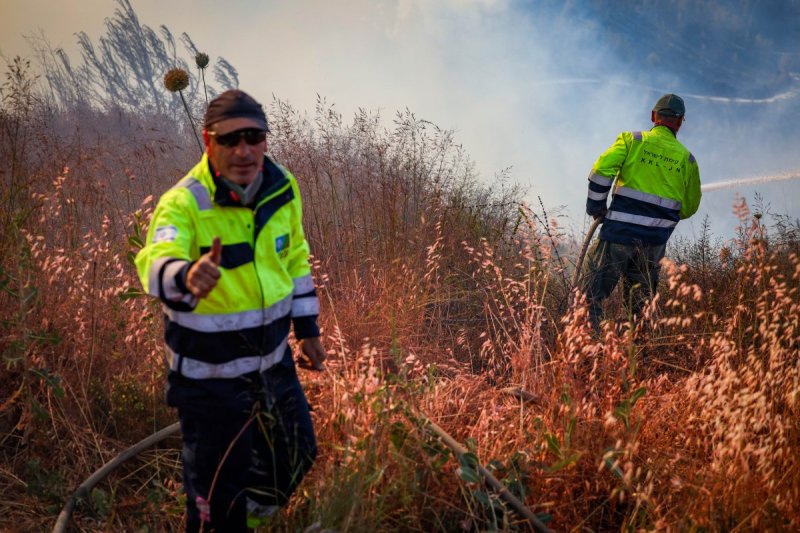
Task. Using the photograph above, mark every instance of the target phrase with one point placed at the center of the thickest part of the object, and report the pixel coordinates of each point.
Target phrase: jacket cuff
(173, 291)
(594, 207)
(305, 327)
(180, 277)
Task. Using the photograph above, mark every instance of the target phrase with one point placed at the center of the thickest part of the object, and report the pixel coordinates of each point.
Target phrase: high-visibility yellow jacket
(265, 283)
(657, 184)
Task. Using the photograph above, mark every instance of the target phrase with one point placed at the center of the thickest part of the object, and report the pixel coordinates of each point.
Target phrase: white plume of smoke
(728, 184)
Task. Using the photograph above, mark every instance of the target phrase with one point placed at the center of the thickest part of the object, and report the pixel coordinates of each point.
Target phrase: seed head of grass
(201, 60)
(176, 80)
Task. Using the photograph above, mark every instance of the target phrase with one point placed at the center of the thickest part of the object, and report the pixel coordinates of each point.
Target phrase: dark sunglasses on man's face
(251, 136)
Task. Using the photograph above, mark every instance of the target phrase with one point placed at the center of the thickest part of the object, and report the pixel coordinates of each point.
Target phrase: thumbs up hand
(204, 274)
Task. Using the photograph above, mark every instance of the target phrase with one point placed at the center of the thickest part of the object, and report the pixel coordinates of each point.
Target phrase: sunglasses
(251, 136)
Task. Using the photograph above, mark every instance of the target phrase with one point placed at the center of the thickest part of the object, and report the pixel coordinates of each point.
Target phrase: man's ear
(652, 119)
(206, 138)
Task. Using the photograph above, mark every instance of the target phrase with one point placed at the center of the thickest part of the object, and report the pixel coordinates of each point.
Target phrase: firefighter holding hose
(656, 183)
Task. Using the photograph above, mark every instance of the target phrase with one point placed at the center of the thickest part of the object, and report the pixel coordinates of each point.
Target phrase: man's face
(240, 163)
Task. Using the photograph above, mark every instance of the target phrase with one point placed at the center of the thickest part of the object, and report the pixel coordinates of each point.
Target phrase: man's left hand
(314, 354)
(601, 215)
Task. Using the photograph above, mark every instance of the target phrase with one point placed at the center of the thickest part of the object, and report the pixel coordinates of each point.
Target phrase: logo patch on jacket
(282, 245)
(165, 234)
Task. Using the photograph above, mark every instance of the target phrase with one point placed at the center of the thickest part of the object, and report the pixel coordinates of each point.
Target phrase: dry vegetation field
(439, 292)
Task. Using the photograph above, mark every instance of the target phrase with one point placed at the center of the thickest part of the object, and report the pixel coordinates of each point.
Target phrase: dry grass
(437, 294)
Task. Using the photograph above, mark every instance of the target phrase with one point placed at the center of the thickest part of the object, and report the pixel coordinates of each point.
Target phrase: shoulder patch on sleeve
(165, 234)
(691, 158)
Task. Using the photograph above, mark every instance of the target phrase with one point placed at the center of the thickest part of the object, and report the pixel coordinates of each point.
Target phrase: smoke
(541, 87)
(544, 88)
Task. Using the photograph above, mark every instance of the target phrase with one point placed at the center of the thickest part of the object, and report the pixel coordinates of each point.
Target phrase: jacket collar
(662, 130)
(273, 178)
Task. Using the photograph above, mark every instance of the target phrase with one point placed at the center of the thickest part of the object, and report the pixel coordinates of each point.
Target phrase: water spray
(728, 184)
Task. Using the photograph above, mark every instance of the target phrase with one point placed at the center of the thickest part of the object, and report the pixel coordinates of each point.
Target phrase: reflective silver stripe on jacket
(637, 135)
(597, 195)
(669, 203)
(152, 278)
(641, 220)
(303, 284)
(195, 369)
(231, 321)
(199, 192)
(308, 306)
(171, 291)
(600, 180)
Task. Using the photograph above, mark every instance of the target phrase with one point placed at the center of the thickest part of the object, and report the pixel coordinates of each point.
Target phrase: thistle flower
(176, 79)
(201, 60)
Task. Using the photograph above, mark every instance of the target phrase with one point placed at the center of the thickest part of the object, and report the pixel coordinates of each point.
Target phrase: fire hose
(588, 239)
(517, 505)
(86, 487)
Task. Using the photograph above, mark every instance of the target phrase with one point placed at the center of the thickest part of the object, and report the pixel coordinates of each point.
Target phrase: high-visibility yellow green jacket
(657, 184)
(265, 284)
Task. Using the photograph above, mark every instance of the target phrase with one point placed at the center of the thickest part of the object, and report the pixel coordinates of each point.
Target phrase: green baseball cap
(670, 105)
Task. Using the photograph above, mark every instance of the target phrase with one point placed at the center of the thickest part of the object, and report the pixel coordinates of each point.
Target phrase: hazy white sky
(544, 97)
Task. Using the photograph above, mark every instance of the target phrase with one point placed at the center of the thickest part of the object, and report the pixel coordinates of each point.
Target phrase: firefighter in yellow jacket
(654, 182)
(227, 257)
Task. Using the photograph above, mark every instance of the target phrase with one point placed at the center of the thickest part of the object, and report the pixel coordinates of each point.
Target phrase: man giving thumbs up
(203, 275)
(227, 256)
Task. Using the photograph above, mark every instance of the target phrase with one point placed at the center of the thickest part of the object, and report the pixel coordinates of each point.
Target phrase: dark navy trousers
(247, 443)
(607, 263)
